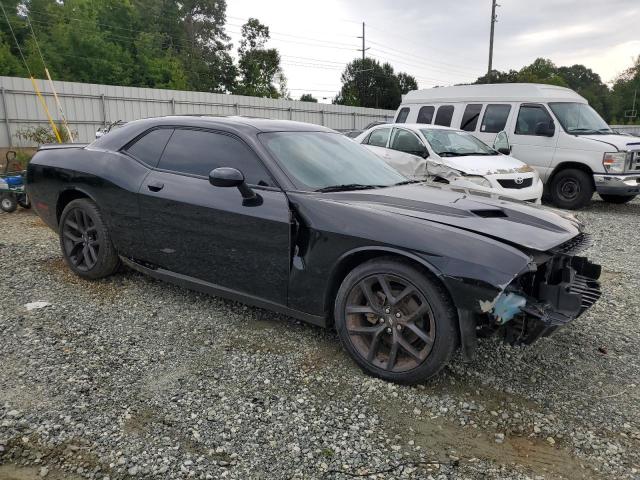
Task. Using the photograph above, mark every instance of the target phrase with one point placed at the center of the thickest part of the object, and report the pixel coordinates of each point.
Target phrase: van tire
(571, 189)
(619, 199)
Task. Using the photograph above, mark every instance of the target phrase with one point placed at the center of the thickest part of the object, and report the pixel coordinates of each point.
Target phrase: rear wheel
(617, 198)
(571, 189)
(397, 324)
(8, 203)
(85, 241)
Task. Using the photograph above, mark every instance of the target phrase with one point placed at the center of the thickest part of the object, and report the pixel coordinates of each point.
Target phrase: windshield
(451, 143)
(579, 118)
(317, 160)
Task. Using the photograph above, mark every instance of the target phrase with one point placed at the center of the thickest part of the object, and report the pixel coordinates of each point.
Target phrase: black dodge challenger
(298, 219)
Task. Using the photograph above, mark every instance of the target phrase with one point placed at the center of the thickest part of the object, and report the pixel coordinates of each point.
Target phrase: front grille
(577, 244)
(512, 183)
(587, 288)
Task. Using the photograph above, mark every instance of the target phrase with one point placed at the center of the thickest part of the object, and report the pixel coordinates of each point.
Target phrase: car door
(405, 154)
(533, 136)
(377, 141)
(198, 230)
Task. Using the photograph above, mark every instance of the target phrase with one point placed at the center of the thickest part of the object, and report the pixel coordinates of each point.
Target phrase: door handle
(155, 186)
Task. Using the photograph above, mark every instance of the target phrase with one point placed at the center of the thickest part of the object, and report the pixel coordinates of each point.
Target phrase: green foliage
(625, 88)
(307, 97)
(259, 67)
(41, 135)
(367, 83)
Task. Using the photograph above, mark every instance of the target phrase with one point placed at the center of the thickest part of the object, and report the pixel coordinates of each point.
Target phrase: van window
(402, 115)
(470, 117)
(495, 118)
(529, 116)
(444, 115)
(379, 137)
(425, 115)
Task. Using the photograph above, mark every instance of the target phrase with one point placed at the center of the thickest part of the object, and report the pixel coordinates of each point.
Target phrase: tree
(625, 88)
(259, 67)
(367, 83)
(407, 83)
(307, 97)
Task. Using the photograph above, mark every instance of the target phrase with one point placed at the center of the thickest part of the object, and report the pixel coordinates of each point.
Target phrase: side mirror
(232, 177)
(545, 129)
(501, 143)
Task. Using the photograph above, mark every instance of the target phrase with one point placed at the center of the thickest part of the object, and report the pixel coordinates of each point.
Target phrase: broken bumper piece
(540, 302)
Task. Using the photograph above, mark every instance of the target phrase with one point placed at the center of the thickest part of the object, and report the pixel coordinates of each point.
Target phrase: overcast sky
(440, 42)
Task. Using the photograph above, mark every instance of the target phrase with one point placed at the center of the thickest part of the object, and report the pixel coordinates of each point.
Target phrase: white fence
(88, 106)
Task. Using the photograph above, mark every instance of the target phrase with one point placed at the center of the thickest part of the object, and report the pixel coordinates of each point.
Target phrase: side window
(425, 115)
(402, 115)
(529, 117)
(149, 147)
(444, 115)
(495, 118)
(470, 117)
(379, 137)
(407, 142)
(197, 152)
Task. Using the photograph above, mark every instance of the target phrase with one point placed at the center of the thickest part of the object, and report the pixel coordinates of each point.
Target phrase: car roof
(414, 126)
(235, 124)
(495, 92)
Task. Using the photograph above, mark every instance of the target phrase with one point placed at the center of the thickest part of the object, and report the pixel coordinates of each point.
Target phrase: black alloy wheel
(396, 321)
(85, 241)
(80, 239)
(390, 323)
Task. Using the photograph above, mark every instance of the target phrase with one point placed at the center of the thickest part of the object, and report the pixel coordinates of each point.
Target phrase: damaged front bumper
(558, 288)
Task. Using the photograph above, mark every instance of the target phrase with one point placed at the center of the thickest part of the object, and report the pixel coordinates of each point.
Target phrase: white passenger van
(551, 128)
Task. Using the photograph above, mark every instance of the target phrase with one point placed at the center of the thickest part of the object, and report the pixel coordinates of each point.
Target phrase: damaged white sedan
(446, 155)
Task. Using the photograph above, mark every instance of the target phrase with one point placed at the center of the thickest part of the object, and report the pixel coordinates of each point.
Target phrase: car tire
(571, 189)
(85, 241)
(619, 199)
(419, 325)
(8, 203)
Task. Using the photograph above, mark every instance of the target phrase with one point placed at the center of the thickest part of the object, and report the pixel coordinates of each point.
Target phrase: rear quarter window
(402, 115)
(150, 146)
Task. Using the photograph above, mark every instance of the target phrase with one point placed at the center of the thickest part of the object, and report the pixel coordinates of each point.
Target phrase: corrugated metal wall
(630, 129)
(89, 106)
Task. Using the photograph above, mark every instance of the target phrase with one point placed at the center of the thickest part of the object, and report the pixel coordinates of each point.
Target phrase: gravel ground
(130, 377)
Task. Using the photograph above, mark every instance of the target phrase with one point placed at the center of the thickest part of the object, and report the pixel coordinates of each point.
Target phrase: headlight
(614, 162)
(478, 180)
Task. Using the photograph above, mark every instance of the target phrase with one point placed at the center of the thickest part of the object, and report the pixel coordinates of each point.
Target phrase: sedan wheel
(85, 241)
(395, 321)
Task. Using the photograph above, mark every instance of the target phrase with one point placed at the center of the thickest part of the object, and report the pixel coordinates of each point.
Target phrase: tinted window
(495, 118)
(402, 115)
(425, 115)
(148, 148)
(470, 117)
(378, 138)
(198, 152)
(529, 116)
(444, 115)
(407, 142)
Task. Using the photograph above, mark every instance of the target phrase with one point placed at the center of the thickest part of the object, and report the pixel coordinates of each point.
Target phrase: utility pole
(362, 69)
(493, 22)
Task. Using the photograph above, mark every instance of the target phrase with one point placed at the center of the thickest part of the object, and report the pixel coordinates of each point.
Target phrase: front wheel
(571, 189)
(619, 199)
(8, 203)
(396, 323)
(85, 241)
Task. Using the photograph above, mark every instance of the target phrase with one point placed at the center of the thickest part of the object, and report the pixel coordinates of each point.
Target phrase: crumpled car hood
(518, 223)
(487, 165)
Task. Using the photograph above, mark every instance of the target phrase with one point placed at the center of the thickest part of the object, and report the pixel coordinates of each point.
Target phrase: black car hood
(518, 223)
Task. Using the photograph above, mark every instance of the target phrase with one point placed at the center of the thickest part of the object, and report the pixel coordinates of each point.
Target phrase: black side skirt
(218, 291)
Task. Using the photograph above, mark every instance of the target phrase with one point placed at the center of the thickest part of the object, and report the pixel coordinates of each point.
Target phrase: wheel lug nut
(386, 310)
(388, 330)
(398, 314)
(399, 327)
(381, 320)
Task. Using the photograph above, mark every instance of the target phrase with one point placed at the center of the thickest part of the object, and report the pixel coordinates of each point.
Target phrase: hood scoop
(490, 213)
